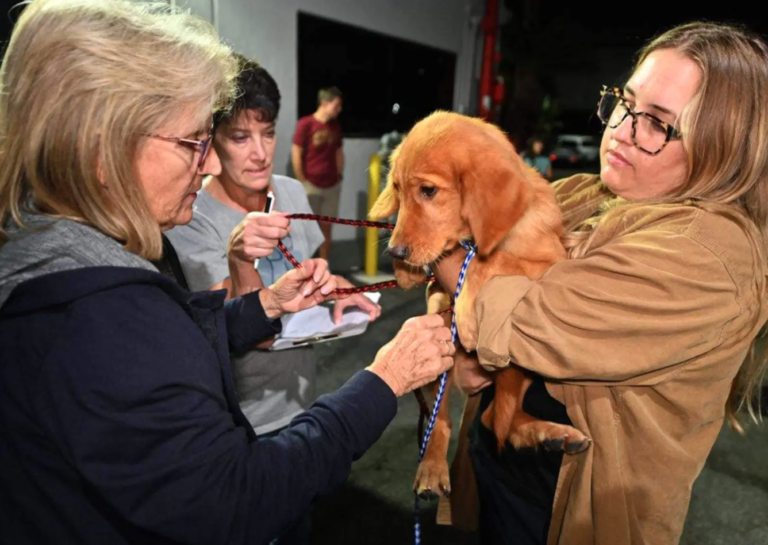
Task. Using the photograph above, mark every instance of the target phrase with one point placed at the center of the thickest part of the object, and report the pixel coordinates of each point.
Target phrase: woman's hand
(299, 289)
(418, 354)
(469, 375)
(257, 235)
(355, 300)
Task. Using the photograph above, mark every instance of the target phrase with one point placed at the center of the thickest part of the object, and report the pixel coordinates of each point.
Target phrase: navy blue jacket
(119, 423)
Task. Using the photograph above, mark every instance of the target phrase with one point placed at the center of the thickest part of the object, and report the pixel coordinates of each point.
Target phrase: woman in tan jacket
(643, 338)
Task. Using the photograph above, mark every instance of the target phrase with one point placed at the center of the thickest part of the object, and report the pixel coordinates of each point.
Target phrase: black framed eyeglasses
(649, 133)
(201, 146)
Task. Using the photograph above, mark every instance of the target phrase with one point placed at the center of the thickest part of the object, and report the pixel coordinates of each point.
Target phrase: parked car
(564, 157)
(576, 149)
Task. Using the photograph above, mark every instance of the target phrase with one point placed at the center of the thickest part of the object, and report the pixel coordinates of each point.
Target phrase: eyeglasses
(202, 146)
(649, 133)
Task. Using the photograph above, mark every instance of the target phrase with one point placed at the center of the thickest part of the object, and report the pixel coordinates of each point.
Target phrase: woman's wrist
(269, 304)
(245, 279)
(381, 371)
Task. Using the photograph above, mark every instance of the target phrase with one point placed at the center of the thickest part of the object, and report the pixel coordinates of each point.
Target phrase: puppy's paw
(567, 444)
(550, 436)
(432, 479)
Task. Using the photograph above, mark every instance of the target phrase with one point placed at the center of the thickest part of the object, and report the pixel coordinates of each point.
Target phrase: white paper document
(316, 325)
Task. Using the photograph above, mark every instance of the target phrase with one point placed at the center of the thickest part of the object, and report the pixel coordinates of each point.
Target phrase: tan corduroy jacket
(640, 339)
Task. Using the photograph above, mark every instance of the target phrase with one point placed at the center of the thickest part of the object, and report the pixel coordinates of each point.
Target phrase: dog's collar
(468, 245)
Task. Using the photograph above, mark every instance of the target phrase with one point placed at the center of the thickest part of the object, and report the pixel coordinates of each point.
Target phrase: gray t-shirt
(272, 387)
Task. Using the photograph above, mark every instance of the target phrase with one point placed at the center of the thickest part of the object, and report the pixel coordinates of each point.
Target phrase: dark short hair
(328, 94)
(532, 140)
(256, 90)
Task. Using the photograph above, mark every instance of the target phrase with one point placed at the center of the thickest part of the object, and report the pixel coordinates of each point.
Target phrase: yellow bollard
(372, 233)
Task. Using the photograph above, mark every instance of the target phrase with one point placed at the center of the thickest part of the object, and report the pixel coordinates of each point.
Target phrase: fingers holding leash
(420, 352)
(441, 339)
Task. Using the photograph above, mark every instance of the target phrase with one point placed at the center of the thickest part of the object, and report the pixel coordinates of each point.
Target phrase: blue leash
(471, 249)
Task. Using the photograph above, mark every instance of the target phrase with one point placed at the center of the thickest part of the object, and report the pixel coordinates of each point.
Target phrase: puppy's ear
(388, 202)
(495, 195)
(386, 205)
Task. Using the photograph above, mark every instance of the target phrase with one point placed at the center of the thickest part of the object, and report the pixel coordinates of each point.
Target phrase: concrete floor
(730, 499)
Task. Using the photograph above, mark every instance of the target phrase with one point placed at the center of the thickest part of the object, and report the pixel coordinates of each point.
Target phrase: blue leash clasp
(471, 251)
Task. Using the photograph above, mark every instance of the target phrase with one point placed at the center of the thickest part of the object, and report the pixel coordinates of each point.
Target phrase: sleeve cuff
(247, 323)
(374, 406)
(494, 307)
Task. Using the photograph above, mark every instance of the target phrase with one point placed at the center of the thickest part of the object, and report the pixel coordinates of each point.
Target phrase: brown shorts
(323, 200)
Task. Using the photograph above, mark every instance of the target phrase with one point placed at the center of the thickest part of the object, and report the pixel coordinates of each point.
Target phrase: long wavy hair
(725, 135)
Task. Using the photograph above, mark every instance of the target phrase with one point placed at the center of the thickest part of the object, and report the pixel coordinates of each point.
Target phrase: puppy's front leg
(433, 473)
(466, 324)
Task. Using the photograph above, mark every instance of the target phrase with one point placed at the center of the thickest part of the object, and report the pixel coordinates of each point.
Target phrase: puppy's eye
(428, 190)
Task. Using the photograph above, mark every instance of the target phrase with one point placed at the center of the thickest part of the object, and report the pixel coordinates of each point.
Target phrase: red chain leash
(357, 223)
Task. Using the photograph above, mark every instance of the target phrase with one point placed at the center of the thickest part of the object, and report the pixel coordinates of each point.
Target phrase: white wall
(265, 30)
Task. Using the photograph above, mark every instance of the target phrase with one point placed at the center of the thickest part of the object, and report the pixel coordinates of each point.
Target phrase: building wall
(266, 30)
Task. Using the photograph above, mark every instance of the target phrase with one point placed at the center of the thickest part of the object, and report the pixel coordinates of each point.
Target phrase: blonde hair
(725, 134)
(80, 81)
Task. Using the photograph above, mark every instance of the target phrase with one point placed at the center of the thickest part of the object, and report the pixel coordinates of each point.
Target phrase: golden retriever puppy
(457, 178)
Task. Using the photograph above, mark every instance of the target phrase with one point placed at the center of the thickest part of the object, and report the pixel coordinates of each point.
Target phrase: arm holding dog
(610, 316)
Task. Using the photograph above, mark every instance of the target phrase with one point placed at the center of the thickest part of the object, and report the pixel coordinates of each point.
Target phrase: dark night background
(555, 55)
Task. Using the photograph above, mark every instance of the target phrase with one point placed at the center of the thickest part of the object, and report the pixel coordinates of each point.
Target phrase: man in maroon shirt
(317, 158)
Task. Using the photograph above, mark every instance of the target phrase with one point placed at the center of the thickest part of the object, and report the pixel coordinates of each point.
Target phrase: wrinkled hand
(355, 300)
(257, 235)
(299, 289)
(418, 354)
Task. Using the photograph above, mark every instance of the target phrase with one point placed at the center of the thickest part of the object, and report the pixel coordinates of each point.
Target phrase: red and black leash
(378, 286)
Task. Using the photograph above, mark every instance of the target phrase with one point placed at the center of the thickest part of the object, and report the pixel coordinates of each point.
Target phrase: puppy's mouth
(426, 259)
(414, 268)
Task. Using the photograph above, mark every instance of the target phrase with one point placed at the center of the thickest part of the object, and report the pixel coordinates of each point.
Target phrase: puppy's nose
(398, 252)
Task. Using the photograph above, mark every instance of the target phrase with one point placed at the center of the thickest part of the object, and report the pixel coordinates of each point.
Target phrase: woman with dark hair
(228, 231)
(535, 157)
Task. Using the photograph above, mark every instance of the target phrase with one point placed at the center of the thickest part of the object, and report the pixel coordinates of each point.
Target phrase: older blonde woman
(118, 417)
(643, 339)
